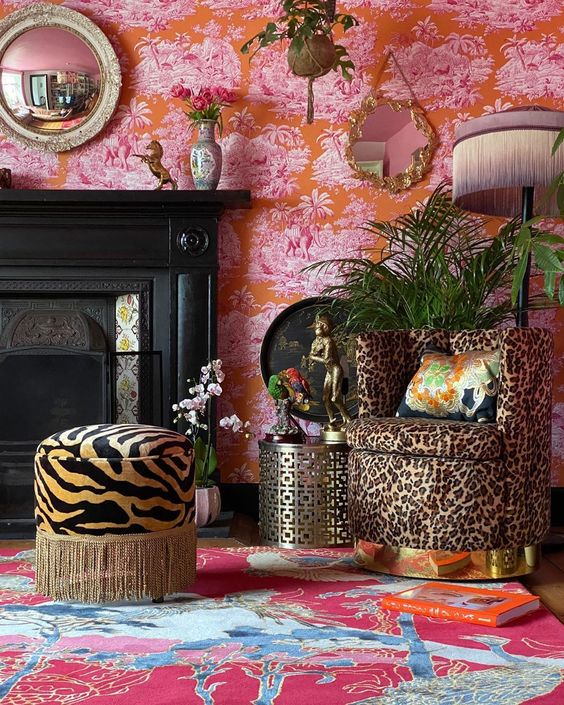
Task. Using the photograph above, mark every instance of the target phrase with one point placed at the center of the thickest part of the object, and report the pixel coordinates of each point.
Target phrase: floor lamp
(502, 165)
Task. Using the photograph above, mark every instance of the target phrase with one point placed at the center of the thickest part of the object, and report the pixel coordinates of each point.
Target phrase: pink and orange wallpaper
(461, 58)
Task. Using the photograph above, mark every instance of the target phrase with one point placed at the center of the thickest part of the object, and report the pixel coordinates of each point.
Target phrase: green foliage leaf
(268, 36)
(212, 461)
(205, 462)
(560, 194)
(545, 258)
(549, 283)
(297, 43)
(558, 141)
(199, 461)
(199, 449)
(343, 62)
(550, 238)
(523, 239)
(556, 186)
(518, 276)
(533, 221)
(347, 21)
(561, 291)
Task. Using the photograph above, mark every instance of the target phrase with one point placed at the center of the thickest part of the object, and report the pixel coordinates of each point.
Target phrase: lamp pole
(522, 315)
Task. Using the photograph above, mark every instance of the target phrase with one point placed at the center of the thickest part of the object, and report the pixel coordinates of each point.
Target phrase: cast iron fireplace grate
(56, 372)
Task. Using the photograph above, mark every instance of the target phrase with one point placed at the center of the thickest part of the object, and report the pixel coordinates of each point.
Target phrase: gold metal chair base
(455, 565)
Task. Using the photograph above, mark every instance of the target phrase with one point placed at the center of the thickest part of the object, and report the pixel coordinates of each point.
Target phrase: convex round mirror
(391, 143)
(59, 77)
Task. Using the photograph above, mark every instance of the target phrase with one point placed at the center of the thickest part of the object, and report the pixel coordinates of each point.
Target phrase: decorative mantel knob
(193, 241)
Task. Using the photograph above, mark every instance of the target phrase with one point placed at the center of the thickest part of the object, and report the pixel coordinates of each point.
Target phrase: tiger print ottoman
(114, 513)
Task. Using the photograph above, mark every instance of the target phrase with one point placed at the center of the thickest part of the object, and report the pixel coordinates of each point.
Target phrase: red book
(462, 603)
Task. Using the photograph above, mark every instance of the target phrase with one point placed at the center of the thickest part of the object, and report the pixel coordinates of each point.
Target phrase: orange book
(445, 562)
(462, 603)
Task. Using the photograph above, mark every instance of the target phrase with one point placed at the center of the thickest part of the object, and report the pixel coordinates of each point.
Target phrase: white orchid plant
(196, 410)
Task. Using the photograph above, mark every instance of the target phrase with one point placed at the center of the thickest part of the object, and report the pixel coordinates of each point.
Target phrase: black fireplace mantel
(80, 251)
(118, 201)
(113, 228)
(161, 244)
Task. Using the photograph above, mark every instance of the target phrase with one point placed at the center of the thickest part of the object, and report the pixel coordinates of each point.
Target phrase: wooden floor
(547, 582)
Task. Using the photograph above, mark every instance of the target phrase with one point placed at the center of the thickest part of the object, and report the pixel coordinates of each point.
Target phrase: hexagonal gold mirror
(59, 77)
(391, 143)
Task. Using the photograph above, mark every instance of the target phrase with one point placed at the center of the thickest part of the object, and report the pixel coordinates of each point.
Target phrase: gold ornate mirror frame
(41, 15)
(416, 170)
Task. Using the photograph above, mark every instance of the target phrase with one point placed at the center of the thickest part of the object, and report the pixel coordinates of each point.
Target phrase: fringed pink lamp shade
(495, 156)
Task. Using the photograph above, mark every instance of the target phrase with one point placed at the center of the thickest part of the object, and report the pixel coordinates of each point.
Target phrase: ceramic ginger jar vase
(206, 157)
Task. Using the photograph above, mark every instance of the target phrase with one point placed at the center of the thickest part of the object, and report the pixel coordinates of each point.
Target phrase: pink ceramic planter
(208, 505)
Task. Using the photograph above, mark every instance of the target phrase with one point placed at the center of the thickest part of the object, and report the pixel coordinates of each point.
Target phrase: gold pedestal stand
(329, 435)
(303, 494)
(416, 563)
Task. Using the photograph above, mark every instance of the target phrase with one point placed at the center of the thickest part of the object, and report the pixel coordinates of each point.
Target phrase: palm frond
(436, 269)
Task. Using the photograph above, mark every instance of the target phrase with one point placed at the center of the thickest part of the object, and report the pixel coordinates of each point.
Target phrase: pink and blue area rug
(270, 627)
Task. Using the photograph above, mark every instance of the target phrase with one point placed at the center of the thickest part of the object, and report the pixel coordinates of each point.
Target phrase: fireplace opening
(57, 371)
(49, 389)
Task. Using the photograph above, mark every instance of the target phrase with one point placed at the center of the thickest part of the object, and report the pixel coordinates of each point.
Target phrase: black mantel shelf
(13, 201)
(113, 228)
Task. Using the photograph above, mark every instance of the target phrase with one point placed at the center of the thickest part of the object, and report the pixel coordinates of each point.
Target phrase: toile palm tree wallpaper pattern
(461, 58)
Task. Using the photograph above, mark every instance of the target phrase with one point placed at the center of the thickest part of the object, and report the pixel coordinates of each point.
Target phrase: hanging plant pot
(312, 58)
(309, 25)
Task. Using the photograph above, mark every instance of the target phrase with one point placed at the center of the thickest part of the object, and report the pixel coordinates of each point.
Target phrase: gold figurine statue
(324, 350)
(153, 159)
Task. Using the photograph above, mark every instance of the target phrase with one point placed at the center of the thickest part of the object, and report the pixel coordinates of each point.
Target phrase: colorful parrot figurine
(276, 388)
(297, 386)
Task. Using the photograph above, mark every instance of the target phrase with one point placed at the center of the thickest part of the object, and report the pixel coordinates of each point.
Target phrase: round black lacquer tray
(290, 336)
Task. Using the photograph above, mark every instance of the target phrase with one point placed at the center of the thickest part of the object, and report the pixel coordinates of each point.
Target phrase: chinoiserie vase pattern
(206, 158)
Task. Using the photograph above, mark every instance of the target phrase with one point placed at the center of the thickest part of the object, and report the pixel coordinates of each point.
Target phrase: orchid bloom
(197, 409)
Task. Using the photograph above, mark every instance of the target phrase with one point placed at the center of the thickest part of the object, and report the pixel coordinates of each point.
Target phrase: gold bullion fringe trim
(115, 567)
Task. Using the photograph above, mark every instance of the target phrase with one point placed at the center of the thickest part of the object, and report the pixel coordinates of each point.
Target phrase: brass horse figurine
(153, 160)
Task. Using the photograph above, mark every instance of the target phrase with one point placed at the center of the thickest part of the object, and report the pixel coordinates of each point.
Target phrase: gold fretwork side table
(303, 494)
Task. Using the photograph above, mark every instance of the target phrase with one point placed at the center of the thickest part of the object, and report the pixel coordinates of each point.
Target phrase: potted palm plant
(312, 52)
(436, 269)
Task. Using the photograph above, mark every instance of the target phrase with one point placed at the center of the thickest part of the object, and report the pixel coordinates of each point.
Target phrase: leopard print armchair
(451, 485)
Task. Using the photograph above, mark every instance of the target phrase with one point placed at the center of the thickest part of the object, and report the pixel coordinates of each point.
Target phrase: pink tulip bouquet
(204, 105)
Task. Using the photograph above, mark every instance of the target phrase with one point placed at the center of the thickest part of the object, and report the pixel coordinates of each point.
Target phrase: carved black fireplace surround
(65, 257)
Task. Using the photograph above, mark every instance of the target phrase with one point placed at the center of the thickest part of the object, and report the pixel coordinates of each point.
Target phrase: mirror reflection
(390, 143)
(49, 79)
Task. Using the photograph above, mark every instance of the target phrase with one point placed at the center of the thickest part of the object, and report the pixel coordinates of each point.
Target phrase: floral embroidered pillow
(459, 387)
